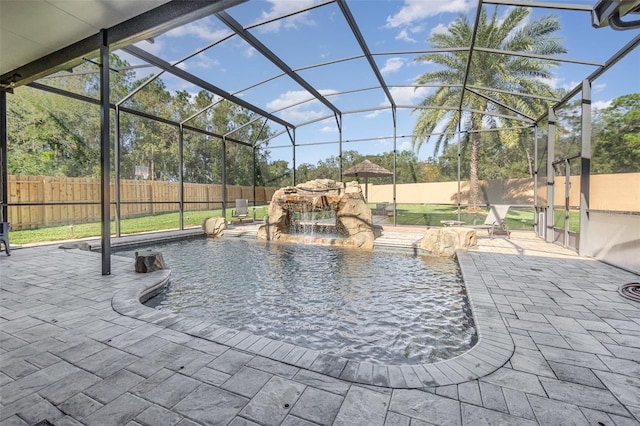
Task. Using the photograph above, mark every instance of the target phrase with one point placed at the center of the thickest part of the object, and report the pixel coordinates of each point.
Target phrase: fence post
(45, 198)
(151, 205)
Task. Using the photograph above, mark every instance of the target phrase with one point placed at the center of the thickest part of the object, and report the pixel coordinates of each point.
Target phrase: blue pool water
(383, 307)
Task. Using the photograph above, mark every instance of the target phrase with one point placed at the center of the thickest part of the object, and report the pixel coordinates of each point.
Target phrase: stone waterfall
(353, 221)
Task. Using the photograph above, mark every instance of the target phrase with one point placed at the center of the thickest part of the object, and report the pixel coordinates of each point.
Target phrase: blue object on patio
(4, 237)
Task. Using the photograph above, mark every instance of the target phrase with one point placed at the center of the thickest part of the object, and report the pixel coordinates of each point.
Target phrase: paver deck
(78, 348)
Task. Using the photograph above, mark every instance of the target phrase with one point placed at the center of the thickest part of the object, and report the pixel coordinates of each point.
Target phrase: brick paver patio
(557, 345)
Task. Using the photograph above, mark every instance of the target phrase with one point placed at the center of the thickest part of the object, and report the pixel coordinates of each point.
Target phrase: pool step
(399, 239)
(249, 230)
(387, 239)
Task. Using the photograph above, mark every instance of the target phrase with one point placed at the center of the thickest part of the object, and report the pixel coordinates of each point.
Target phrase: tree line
(54, 135)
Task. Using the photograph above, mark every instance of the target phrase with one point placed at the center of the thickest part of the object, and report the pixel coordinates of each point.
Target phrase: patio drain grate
(630, 291)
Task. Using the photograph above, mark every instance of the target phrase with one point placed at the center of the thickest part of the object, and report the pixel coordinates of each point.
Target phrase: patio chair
(242, 209)
(494, 222)
(4, 237)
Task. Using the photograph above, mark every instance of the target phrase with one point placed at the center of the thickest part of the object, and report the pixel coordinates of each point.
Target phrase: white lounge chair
(242, 209)
(494, 222)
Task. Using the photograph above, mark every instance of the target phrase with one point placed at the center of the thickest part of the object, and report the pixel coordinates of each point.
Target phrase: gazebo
(367, 169)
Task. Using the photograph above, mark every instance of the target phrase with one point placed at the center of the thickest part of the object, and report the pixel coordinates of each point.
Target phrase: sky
(322, 36)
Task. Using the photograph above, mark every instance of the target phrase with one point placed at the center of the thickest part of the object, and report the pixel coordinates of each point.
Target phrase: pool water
(383, 307)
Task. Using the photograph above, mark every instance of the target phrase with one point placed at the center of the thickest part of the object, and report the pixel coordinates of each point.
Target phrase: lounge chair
(494, 222)
(242, 209)
(4, 237)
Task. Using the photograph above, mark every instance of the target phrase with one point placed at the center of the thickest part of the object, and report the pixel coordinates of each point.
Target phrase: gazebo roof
(367, 169)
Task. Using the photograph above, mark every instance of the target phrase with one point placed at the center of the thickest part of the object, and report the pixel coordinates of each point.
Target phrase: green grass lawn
(574, 220)
(127, 226)
(517, 218)
(433, 215)
(408, 214)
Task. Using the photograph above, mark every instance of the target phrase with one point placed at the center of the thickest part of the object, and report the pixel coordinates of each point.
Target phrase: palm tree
(488, 70)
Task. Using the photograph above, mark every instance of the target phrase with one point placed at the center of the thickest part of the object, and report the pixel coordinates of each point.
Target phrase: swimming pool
(383, 307)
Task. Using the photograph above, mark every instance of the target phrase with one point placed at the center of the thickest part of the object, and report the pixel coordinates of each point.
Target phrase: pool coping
(494, 346)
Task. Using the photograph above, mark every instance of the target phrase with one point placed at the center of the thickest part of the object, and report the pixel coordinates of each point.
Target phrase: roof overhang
(28, 53)
(610, 12)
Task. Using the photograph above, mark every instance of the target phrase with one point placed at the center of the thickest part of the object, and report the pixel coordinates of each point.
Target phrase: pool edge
(492, 350)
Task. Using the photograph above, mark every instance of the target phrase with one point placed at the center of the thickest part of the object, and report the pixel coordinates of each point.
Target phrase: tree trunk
(474, 183)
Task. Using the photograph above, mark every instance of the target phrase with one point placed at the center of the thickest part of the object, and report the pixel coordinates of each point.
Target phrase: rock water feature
(321, 211)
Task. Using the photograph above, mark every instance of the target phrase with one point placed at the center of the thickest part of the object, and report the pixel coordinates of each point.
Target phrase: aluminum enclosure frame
(176, 13)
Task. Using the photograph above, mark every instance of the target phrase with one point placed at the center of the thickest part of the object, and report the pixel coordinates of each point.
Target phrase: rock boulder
(149, 261)
(214, 226)
(445, 241)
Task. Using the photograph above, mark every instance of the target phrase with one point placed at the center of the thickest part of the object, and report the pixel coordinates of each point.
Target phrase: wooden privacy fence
(36, 201)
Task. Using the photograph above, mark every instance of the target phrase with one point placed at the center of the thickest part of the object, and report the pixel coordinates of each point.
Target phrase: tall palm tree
(502, 72)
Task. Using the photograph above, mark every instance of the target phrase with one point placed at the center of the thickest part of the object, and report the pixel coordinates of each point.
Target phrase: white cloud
(249, 51)
(601, 105)
(553, 82)
(406, 146)
(416, 10)
(299, 106)
(202, 29)
(329, 129)
(418, 28)
(439, 29)
(571, 85)
(392, 65)
(402, 96)
(289, 98)
(386, 142)
(376, 113)
(203, 61)
(284, 7)
(409, 95)
(598, 87)
(297, 115)
(154, 48)
(404, 35)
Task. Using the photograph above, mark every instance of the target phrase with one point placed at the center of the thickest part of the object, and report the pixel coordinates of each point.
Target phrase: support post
(224, 178)
(255, 177)
(535, 179)
(459, 160)
(551, 152)
(585, 168)
(4, 183)
(105, 152)
(181, 173)
(339, 120)
(395, 164)
(116, 165)
(293, 147)
(567, 200)
(293, 169)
